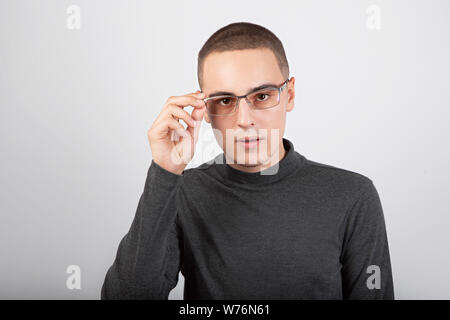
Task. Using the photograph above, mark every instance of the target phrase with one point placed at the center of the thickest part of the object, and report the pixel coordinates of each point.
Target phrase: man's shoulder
(335, 177)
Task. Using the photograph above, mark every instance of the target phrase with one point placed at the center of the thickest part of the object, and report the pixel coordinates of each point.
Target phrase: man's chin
(249, 165)
(248, 159)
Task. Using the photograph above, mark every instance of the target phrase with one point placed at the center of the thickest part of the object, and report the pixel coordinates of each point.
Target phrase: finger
(177, 127)
(195, 101)
(198, 114)
(163, 127)
(197, 93)
(179, 113)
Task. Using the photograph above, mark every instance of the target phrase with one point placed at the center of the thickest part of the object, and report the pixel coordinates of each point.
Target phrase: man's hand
(173, 146)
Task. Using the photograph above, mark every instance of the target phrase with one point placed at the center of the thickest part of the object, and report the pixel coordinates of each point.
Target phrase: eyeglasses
(262, 99)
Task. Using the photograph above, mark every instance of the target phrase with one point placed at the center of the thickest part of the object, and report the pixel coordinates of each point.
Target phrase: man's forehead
(231, 73)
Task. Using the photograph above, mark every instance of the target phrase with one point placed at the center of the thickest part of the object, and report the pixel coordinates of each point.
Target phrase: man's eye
(261, 96)
(225, 99)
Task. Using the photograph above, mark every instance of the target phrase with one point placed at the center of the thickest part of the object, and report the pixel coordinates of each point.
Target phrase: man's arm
(149, 255)
(366, 266)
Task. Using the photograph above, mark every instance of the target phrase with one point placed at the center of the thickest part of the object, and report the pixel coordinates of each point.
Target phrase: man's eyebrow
(226, 93)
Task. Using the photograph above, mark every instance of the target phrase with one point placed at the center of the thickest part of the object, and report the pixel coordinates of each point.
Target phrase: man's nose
(244, 116)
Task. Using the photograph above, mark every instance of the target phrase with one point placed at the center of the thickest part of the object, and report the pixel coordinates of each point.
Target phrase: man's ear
(291, 94)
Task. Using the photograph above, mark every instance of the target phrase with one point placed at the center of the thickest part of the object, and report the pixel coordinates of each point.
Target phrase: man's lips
(249, 142)
(249, 139)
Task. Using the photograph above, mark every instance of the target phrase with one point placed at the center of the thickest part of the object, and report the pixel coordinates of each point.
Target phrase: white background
(76, 106)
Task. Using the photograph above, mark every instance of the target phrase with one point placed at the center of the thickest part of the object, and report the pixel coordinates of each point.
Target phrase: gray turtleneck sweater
(309, 231)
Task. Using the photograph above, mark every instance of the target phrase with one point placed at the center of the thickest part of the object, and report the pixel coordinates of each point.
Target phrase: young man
(260, 221)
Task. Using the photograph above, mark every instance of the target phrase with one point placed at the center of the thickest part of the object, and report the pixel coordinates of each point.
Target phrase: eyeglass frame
(280, 88)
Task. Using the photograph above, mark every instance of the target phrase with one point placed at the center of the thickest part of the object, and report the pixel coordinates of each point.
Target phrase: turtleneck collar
(286, 166)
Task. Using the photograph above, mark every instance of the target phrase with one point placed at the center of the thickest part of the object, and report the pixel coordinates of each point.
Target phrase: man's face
(238, 72)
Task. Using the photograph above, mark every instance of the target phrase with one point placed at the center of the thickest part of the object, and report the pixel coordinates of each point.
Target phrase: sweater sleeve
(148, 258)
(366, 266)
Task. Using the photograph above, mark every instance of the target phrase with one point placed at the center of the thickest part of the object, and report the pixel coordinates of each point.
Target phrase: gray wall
(76, 105)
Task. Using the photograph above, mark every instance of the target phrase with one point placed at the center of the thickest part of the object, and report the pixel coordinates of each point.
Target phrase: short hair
(241, 36)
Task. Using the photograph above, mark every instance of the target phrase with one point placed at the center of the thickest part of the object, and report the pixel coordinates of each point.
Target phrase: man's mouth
(248, 139)
(249, 142)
